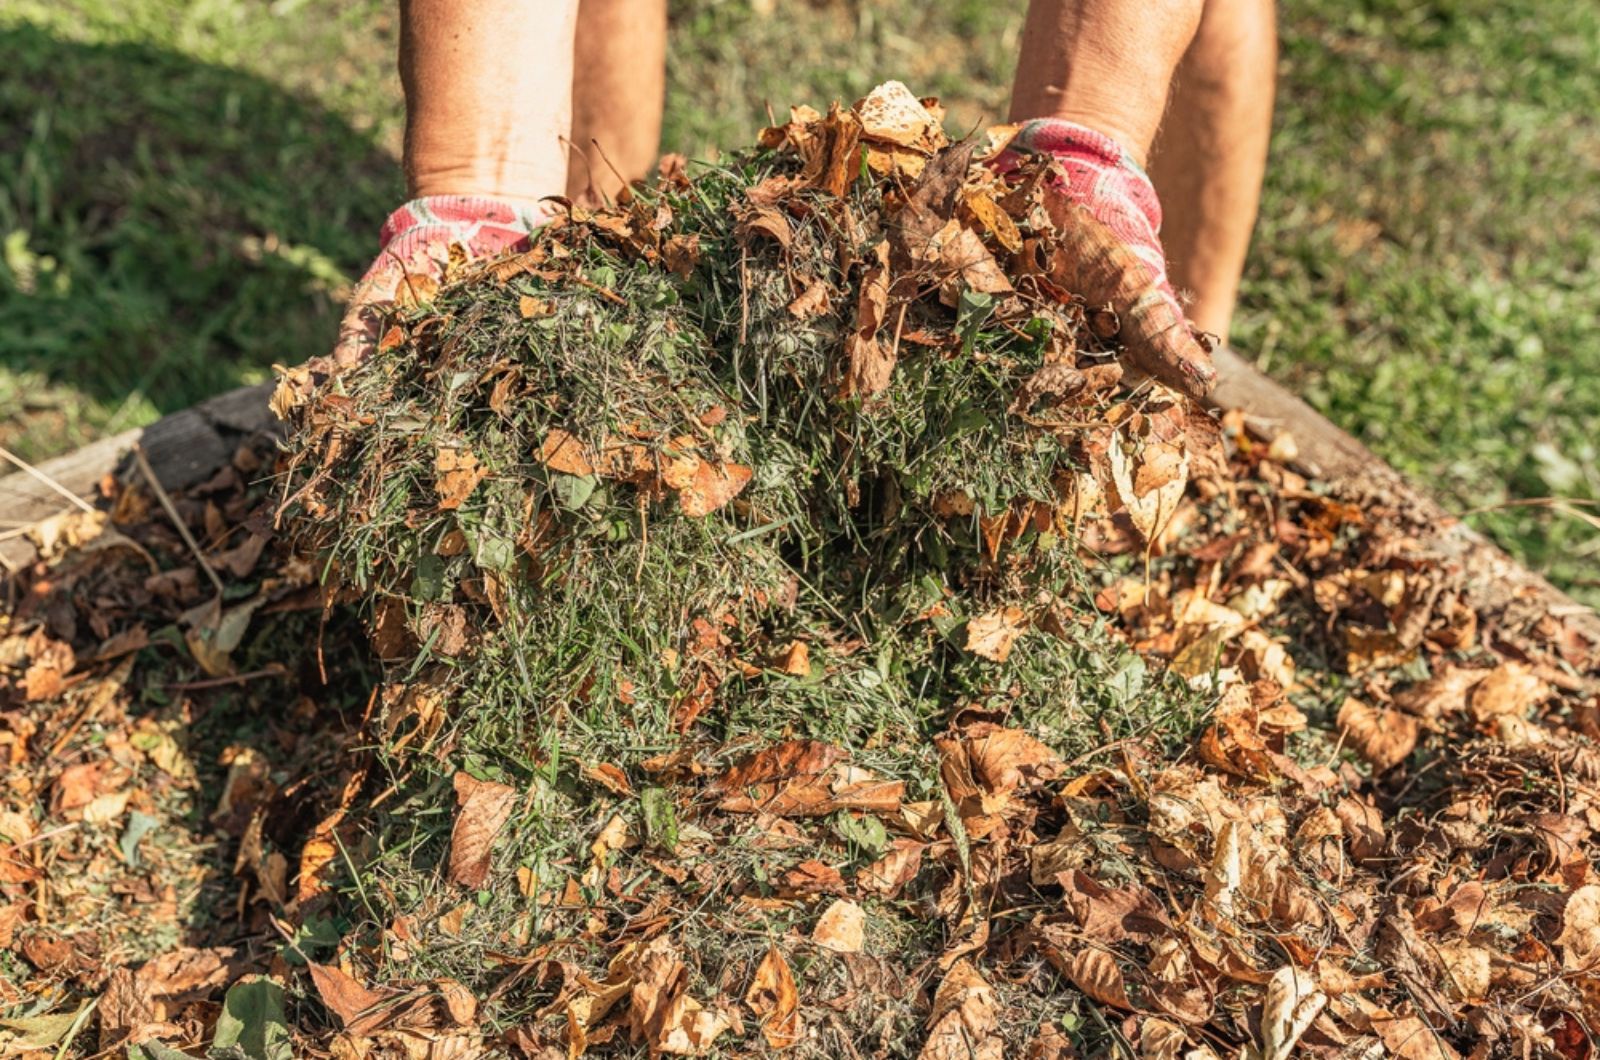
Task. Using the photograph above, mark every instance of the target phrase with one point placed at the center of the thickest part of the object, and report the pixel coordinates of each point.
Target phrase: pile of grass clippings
(764, 617)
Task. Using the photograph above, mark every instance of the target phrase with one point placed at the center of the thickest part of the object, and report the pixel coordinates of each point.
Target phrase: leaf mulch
(768, 617)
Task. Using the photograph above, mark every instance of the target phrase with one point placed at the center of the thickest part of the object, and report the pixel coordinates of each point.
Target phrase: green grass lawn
(186, 186)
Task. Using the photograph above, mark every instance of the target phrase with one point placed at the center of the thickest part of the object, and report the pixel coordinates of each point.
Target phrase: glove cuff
(485, 225)
(1097, 167)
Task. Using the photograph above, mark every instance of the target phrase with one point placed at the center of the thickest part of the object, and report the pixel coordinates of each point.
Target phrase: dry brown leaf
(891, 114)
(796, 659)
(456, 474)
(713, 485)
(869, 363)
(991, 634)
(773, 997)
(1107, 915)
(1149, 480)
(661, 1014)
(360, 1010)
(1291, 1003)
(963, 1024)
(562, 451)
(887, 876)
(609, 777)
(841, 927)
(1383, 738)
(1580, 929)
(1095, 972)
(482, 807)
(1409, 1038)
(811, 302)
(1004, 759)
(157, 991)
(1509, 689)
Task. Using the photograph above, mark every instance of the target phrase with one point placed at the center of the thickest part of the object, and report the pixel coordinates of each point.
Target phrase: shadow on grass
(168, 229)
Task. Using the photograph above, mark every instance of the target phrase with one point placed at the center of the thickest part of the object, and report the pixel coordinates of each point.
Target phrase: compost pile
(793, 626)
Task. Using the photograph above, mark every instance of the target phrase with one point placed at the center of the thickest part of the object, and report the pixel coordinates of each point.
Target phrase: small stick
(232, 679)
(172, 513)
(46, 479)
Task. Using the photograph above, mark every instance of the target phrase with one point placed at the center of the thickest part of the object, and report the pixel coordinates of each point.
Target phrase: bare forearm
(1106, 64)
(488, 87)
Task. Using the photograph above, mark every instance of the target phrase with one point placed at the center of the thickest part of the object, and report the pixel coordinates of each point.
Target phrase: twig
(172, 513)
(231, 679)
(46, 479)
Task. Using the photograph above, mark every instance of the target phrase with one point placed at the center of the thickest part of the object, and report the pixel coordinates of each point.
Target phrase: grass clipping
(722, 549)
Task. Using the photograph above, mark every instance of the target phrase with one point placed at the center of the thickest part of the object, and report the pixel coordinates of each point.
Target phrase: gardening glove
(1113, 252)
(417, 240)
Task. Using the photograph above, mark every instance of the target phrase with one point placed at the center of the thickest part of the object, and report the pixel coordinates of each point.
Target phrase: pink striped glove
(417, 239)
(1110, 222)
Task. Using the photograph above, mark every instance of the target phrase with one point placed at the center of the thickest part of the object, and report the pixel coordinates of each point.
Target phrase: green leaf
(865, 832)
(154, 1050)
(139, 826)
(660, 819)
(310, 940)
(429, 583)
(573, 491)
(252, 1024)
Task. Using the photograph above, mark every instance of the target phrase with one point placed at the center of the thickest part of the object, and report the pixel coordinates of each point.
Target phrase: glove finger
(1093, 263)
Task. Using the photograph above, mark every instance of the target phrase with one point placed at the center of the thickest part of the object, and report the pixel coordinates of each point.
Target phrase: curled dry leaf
(1580, 929)
(482, 808)
(991, 634)
(1383, 738)
(963, 1024)
(1292, 1002)
(773, 997)
(1509, 689)
(1149, 479)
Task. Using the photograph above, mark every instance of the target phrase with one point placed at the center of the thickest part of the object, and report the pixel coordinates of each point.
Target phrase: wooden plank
(187, 446)
(183, 448)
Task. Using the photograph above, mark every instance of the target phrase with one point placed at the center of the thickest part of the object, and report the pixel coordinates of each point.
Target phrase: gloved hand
(1110, 220)
(417, 240)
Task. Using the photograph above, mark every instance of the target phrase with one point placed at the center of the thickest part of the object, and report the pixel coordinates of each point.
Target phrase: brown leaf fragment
(891, 114)
(1409, 1038)
(811, 302)
(887, 876)
(1383, 738)
(562, 451)
(964, 1022)
(1442, 695)
(712, 486)
(991, 634)
(456, 474)
(841, 927)
(812, 877)
(682, 254)
(869, 363)
(661, 1014)
(482, 808)
(773, 997)
(159, 990)
(360, 1009)
(531, 308)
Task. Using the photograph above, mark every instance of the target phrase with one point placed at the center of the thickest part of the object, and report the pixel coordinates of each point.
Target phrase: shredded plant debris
(775, 615)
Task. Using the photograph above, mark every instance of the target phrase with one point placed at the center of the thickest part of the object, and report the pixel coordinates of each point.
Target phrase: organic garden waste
(777, 614)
